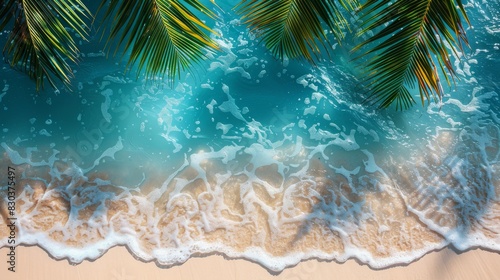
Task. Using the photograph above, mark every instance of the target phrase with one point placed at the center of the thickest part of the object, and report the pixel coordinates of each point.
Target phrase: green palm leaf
(294, 28)
(410, 48)
(164, 36)
(39, 43)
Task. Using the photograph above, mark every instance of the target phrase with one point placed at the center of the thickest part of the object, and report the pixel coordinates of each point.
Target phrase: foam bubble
(211, 105)
(224, 127)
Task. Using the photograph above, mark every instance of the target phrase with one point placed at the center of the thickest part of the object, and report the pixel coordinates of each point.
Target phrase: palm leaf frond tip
(39, 43)
(294, 28)
(164, 36)
(411, 47)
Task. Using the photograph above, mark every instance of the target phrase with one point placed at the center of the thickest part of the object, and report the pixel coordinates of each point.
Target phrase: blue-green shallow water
(254, 158)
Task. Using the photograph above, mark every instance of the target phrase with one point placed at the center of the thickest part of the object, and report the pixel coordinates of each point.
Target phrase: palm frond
(294, 28)
(39, 43)
(410, 48)
(164, 36)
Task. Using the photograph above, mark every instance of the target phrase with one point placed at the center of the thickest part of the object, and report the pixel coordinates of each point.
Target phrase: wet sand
(118, 264)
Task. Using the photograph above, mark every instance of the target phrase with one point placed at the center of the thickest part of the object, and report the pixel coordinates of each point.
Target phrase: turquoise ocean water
(254, 158)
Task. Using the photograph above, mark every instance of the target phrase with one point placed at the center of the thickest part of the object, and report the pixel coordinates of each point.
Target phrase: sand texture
(118, 264)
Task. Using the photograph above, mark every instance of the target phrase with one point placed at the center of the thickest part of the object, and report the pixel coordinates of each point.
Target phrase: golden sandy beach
(118, 264)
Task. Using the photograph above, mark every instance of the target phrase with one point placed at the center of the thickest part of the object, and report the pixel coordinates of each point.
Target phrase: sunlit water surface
(253, 158)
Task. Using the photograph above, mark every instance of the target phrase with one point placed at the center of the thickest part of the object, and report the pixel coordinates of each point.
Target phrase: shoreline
(118, 264)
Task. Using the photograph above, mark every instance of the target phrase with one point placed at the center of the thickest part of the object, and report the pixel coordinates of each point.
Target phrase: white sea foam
(207, 86)
(2, 95)
(210, 106)
(310, 110)
(230, 106)
(106, 104)
(224, 127)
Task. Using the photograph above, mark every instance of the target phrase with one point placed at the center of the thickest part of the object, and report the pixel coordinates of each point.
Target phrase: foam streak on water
(254, 158)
